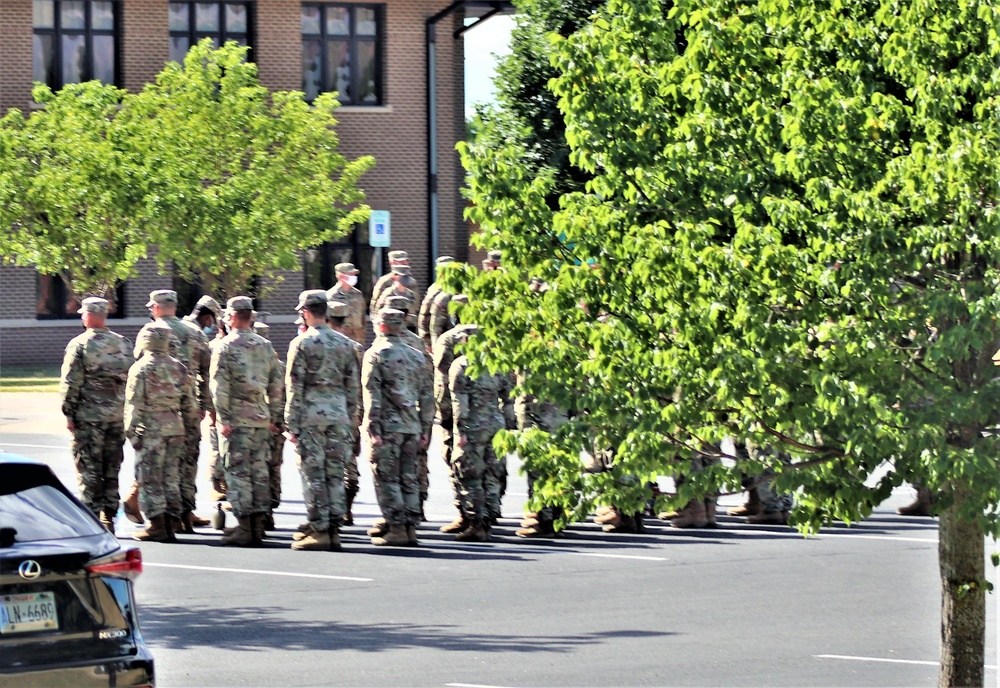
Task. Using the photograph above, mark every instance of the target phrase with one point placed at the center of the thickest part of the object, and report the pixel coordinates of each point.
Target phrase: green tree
(238, 179)
(68, 193)
(791, 235)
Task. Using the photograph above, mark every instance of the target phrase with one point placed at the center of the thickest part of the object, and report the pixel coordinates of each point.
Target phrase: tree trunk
(963, 599)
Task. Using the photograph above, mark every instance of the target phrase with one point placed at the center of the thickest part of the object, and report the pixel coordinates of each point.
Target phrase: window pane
(104, 58)
(311, 71)
(236, 18)
(44, 60)
(310, 20)
(178, 48)
(102, 16)
(71, 14)
(367, 92)
(73, 52)
(338, 21)
(364, 21)
(206, 16)
(179, 16)
(338, 61)
(44, 12)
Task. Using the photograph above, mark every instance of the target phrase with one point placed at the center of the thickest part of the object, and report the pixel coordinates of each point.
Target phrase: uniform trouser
(476, 468)
(447, 453)
(274, 459)
(396, 471)
(189, 463)
(218, 467)
(424, 479)
(351, 475)
(246, 453)
(771, 501)
(546, 513)
(158, 466)
(323, 453)
(97, 451)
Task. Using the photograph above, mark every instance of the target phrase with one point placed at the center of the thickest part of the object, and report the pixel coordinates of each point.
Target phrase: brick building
(398, 65)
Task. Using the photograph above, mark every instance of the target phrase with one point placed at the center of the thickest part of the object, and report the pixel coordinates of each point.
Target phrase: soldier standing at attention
(424, 315)
(192, 351)
(476, 407)
(345, 292)
(159, 400)
(92, 387)
(321, 405)
(532, 413)
(400, 286)
(276, 449)
(399, 411)
(396, 259)
(337, 317)
(246, 390)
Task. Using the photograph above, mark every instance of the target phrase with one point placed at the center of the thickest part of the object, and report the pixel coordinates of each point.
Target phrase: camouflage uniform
(388, 281)
(276, 451)
(546, 416)
(321, 405)
(246, 389)
(772, 502)
(424, 315)
(352, 476)
(354, 327)
(218, 470)
(480, 406)
(191, 349)
(397, 289)
(399, 409)
(92, 387)
(440, 320)
(160, 399)
(444, 356)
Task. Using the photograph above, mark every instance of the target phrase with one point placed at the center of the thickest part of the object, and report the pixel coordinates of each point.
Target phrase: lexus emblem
(30, 569)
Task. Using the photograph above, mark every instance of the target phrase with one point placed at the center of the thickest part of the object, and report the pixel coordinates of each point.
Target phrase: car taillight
(127, 564)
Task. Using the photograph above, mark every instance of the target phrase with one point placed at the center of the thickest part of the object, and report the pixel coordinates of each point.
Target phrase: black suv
(67, 609)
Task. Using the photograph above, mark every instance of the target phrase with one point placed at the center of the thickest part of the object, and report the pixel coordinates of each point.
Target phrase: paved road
(741, 605)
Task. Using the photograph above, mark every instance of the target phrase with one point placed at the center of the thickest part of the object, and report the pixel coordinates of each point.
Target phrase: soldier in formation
(424, 315)
(321, 396)
(397, 259)
(160, 402)
(92, 386)
(337, 317)
(346, 292)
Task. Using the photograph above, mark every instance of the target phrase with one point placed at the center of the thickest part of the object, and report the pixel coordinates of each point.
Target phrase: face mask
(210, 330)
(351, 280)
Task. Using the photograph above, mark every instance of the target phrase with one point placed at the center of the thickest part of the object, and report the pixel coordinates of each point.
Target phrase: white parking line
(474, 549)
(891, 661)
(290, 574)
(470, 685)
(35, 446)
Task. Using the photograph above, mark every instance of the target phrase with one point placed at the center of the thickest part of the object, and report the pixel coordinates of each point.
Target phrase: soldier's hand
(70, 425)
(226, 430)
(376, 441)
(137, 443)
(424, 441)
(462, 440)
(274, 429)
(211, 418)
(202, 416)
(292, 437)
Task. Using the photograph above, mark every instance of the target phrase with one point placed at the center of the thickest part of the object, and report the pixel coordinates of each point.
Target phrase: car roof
(6, 457)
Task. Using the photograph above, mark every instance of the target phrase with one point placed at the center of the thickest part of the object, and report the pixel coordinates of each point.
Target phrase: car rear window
(44, 512)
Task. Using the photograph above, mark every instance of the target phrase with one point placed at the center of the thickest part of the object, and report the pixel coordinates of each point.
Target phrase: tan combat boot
(131, 505)
(218, 491)
(753, 505)
(351, 493)
(476, 532)
(396, 537)
(710, 507)
(921, 506)
(771, 518)
(691, 516)
(624, 524)
(668, 515)
(242, 535)
(540, 529)
(335, 544)
(611, 517)
(411, 535)
(108, 519)
(456, 526)
(313, 541)
(379, 528)
(196, 520)
(156, 532)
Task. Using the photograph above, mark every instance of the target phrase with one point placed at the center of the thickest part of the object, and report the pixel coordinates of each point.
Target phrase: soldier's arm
(275, 388)
(426, 399)
(352, 382)
(71, 381)
(458, 385)
(204, 366)
(295, 376)
(371, 385)
(219, 385)
(190, 409)
(424, 316)
(506, 401)
(135, 404)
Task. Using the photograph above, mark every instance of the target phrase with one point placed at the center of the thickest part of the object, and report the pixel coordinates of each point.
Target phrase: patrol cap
(209, 303)
(311, 297)
(392, 317)
(239, 303)
(262, 316)
(94, 304)
(444, 260)
(398, 302)
(459, 298)
(401, 270)
(346, 269)
(494, 256)
(398, 256)
(263, 329)
(337, 309)
(161, 296)
(155, 338)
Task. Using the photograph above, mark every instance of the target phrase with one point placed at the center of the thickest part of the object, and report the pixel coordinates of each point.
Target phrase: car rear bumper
(127, 672)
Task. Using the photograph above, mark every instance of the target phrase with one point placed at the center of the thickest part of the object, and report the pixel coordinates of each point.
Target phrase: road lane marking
(890, 661)
(470, 685)
(36, 446)
(473, 549)
(291, 574)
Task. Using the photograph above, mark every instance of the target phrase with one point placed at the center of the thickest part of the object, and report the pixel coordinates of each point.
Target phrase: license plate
(26, 612)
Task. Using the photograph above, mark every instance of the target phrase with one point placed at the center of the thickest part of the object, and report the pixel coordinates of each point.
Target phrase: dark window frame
(223, 35)
(364, 257)
(353, 39)
(58, 304)
(88, 32)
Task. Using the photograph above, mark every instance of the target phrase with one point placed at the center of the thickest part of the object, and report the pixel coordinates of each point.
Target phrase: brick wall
(18, 290)
(145, 42)
(15, 55)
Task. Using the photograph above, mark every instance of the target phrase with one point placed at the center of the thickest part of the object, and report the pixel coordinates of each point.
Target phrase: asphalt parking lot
(737, 606)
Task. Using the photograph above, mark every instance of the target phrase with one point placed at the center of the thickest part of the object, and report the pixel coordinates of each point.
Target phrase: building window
(75, 41)
(341, 51)
(221, 21)
(320, 262)
(55, 302)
